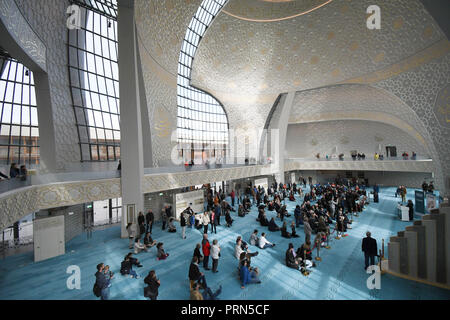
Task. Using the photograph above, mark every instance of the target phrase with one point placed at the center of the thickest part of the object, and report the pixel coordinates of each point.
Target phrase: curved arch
(362, 98)
(196, 108)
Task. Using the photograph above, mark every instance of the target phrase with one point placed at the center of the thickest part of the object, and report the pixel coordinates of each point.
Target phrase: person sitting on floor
(241, 212)
(138, 246)
(195, 274)
(148, 241)
(247, 276)
(284, 232)
(242, 247)
(172, 227)
(305, 253)
(263, 243)
(162, 255)
(293, 233)
(263, 220)
(133, 260)
(292, 259)
(291, 197)
(254, 239)
(273, 226)
(126, 268)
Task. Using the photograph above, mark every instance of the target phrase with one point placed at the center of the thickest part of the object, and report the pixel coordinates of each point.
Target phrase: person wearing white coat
(205, 222)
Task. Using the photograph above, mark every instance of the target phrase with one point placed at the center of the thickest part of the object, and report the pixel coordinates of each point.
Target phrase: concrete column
(278, 139)
(430, 245)
(445, 210)
(411, 237)
(131, 147)
(394, 256)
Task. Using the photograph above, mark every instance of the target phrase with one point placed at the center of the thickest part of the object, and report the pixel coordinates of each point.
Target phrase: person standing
(205, 222)
(141, 224)
(163, 218)
(149, 217)
(369, 247)
(307, 229)
(102, 281)
(217, 211)
(215, 254)
(206, 247)
(232, 198)
(131, 234)
(183, 224)
(213, 222)
(410, 205)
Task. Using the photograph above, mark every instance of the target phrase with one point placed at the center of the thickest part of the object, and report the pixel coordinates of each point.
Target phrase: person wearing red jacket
(206, 246)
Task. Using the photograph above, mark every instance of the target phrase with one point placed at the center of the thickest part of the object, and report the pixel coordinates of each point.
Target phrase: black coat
(182, 220)
(369, 246)
(290, 260)
(194, 272)
(149, 217)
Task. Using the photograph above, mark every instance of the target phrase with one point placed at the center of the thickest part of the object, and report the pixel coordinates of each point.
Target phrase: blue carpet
(340, 275)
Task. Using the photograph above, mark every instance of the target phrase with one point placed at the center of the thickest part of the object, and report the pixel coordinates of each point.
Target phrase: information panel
(182, 201)
(263, 183)
(420, 203)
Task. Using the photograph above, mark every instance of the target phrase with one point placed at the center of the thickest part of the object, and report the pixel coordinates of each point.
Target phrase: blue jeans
(268, 246)
(105, 293)
(209, 295)
(133, 273)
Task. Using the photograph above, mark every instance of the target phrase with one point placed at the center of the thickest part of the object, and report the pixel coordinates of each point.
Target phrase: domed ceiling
(324, 46)
(272, 10)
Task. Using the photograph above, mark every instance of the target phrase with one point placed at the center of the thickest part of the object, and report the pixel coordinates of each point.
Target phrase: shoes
(216, 271)
(139, 265)
(207, 268)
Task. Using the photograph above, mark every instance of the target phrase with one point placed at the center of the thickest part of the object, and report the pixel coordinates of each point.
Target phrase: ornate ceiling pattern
(272, 10)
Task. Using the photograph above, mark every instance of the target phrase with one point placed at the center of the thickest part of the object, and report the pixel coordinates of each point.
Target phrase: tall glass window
(202, 125)
(19, 132)
(94, 78)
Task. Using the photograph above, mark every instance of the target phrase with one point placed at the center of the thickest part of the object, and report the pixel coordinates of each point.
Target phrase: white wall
(307, 139)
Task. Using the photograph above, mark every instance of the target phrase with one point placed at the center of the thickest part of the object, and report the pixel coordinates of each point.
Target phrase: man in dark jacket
(183, 224)
(102, 281)
(149, 217)
(369, 247)
(195, 274)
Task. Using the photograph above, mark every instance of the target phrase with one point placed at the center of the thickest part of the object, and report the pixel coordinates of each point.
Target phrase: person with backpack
(153, 283)
(102, 282)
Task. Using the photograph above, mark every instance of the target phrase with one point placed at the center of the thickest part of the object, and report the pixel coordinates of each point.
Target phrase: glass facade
(94, 78)
(19, 132)
(202, 124)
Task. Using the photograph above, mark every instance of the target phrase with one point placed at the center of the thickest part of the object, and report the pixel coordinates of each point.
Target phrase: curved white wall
(307, 139)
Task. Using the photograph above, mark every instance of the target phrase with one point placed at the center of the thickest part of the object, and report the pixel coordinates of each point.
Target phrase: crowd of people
(324, 210)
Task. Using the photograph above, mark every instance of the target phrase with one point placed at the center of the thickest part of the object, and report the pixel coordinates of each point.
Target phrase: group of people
(428, 187)
(15, 172)
(333, 205)
(401, 191)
